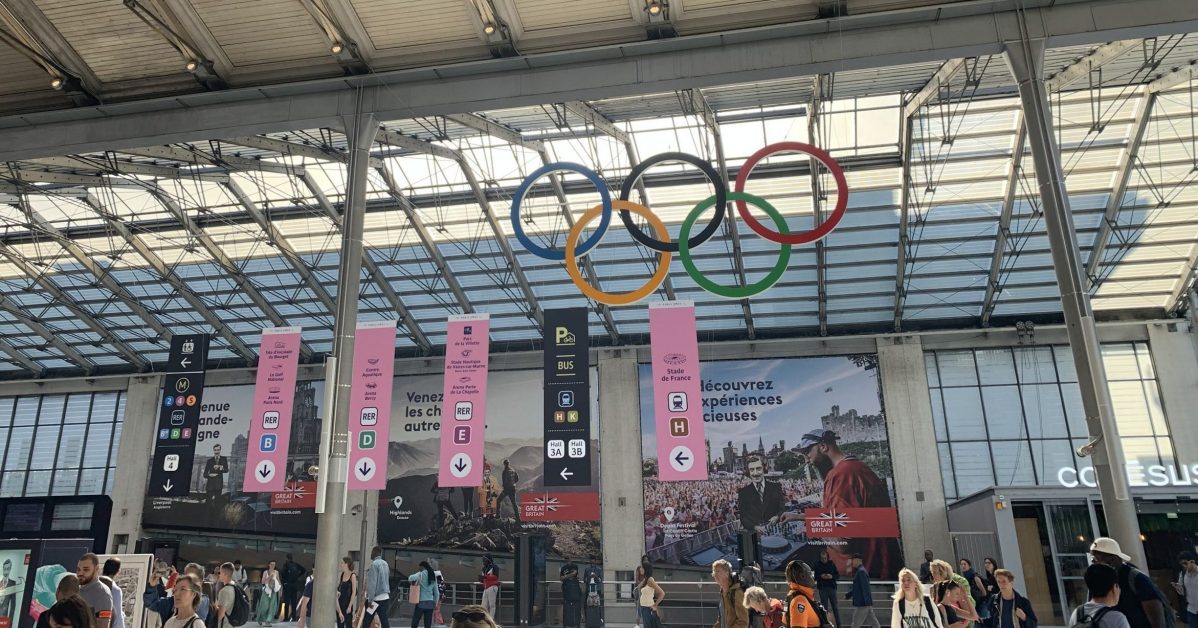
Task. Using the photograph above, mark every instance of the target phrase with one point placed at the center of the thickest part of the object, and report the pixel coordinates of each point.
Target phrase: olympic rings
(661, 243)
(663, 265)
(605, 205)
(721, 201)
(733, 292)
(821, 230)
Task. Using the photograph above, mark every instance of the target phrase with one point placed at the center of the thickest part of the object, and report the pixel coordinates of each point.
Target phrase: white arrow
(168, 486)
(566, 474)
(184, 362)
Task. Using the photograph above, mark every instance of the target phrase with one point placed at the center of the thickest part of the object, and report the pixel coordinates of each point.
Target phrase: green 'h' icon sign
(366, 439)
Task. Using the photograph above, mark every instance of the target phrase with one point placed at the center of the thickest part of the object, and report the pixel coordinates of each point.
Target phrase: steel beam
(703, 109)
(904, 236)
(1183, 291)
(34, 24)
(925, 94)
(1097, 58)
(597, 120)
(927, 34)
(1174, 78)
(279, 241)
(416, 334)
(426, 238)
(821, 254)
(51, 337)
(1127, 162)
(110, 165)
(223, 260)
(196, 157)
(602, 124)
(20, 358)
(1026, 60)
(534, 305)
(495, 129)
(396, 139)
(103, 277)
(172, 279)
(334, 442)
(1004, 222)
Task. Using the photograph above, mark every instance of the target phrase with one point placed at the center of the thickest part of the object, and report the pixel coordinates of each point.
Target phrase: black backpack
(821, 613)
(240, 613)
(1081, 620)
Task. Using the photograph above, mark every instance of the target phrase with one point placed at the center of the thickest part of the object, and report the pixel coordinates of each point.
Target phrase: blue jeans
(646, 615)
(1191, 619)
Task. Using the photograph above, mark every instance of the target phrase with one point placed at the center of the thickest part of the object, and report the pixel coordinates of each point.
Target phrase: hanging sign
(567, 398)
(370, 405)
(464, 402)
(179, 417)
(270, 417)
(677, 404)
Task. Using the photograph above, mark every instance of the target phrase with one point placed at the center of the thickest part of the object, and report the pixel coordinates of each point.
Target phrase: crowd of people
(938, 596)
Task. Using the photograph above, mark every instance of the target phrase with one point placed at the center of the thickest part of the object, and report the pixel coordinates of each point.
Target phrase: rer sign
(370, 405)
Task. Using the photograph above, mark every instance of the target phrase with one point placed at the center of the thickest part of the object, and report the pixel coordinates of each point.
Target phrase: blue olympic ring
(591, 242)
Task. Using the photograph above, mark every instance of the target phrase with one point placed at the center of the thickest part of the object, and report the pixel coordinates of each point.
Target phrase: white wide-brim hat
(1108, 545)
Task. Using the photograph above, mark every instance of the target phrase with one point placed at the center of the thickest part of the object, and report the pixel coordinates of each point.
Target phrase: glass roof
(229, 236)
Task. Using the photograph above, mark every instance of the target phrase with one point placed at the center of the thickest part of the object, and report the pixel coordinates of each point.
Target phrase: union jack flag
(839, 518)
(550, 503)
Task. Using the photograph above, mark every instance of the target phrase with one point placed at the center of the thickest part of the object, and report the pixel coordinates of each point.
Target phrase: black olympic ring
(721, 202)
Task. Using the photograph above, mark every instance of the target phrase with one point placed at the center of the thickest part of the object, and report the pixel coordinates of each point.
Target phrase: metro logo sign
(301, 495)
(852, 523)
(559, 507)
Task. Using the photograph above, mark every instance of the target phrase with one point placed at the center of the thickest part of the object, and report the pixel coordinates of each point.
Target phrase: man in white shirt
(239, 575)
(1187, 586)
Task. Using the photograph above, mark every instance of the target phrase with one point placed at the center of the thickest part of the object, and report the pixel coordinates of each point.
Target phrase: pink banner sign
(370, 405)
(270, 421)
(677, 401)
(464, 405)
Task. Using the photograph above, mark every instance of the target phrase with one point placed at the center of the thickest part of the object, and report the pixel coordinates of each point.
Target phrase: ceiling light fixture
(192, 64)
(489, 28)
(336, 48)
(654, 8)
(56, 83)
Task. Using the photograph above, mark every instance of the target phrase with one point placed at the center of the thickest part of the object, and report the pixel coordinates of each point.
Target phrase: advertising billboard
(797, 451)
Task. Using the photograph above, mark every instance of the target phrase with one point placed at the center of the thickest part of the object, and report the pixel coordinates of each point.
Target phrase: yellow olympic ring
(663, 257)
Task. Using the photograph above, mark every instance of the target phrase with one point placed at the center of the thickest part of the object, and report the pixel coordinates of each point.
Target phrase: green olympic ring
(733, 292)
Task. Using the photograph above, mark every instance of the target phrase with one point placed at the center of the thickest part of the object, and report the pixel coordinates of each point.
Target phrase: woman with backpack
(802, 608)
(913, 609)
(426, 579)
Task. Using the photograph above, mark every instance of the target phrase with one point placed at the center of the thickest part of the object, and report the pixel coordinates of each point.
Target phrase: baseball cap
(815, 437)
(1107, 545)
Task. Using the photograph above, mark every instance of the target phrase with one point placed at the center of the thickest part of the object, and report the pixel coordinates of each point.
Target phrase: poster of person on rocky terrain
(798, 453)
(511, 498)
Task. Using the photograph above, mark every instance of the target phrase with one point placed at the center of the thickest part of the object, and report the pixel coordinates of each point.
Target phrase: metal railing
(687, 603)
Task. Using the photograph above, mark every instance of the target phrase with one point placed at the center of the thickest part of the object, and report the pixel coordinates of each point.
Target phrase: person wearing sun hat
(850, 483)
(1139, 600)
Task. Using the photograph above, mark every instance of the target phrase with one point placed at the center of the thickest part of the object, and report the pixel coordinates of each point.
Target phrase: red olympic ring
(802, 237)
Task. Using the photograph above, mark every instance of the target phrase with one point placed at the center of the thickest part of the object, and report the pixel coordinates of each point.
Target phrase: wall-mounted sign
(1137, 475)
(464, 409)
(567, 389)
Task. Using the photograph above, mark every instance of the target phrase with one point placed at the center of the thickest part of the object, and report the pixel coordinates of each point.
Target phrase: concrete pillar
(133, 461)
(1176, 361)
(623, 497)
(923, 517)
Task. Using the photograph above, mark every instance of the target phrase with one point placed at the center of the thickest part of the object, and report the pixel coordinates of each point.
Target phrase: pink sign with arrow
(464, 405)
(370, 405)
